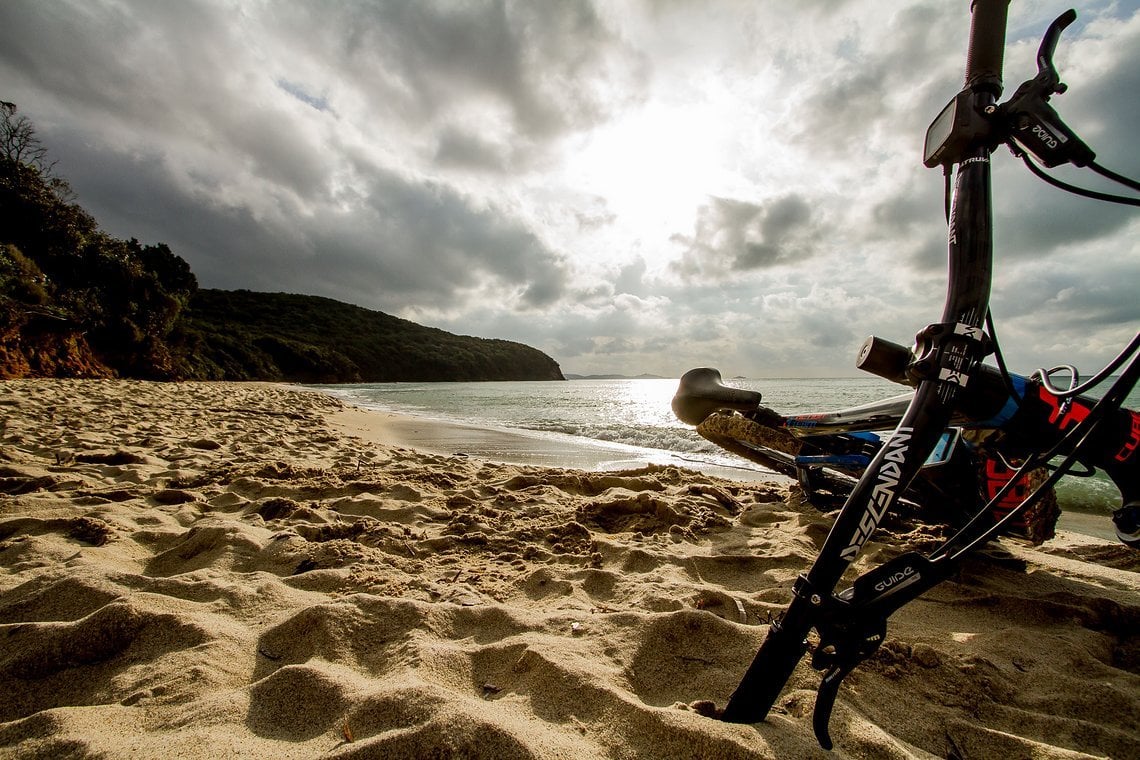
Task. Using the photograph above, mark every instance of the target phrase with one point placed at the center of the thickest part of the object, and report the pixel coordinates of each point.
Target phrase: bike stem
(948, 354)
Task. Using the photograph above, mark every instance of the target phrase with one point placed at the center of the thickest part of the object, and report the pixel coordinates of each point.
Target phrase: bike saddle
(702, 392)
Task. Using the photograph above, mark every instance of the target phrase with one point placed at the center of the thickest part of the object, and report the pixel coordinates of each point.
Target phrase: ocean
(633, 418)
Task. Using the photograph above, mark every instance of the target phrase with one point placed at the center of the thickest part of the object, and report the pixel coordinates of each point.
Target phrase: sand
(227, 570)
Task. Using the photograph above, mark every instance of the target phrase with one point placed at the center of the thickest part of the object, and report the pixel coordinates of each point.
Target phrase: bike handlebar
(987, 45)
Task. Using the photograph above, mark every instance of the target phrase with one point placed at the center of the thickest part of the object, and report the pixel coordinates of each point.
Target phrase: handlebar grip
(987, 45)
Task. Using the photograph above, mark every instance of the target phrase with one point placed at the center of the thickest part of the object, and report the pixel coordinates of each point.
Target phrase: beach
(255, 570)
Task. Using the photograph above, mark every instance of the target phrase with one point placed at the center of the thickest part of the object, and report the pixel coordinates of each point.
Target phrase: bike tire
(769, 447)
(1037, 523)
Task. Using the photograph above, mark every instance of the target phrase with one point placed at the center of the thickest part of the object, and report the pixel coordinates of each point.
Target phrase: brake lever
(855, 625)
(1030, 120)
(824, 703)
(1046, 71)
(838, 657)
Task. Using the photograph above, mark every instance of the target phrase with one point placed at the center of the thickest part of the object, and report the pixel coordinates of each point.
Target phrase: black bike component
(970, 247)
(1032, 122)
(702, 392)
(987, 46)
(853, 625)
(954, 130)
(841, 649)
(856, 625)
(962, 123)
(1084, 192)
(1028, 123)
(941, 340)
(885, 359)
(1118, 178)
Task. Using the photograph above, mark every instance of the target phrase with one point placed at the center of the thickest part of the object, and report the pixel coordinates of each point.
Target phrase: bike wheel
(1037, 523)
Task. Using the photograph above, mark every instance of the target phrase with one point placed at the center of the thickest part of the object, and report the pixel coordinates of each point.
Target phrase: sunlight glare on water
(637, 413)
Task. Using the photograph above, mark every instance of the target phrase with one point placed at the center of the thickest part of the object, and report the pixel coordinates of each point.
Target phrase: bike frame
(946, 366)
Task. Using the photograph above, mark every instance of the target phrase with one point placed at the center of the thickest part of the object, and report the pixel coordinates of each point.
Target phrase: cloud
(641, 186)
(468, 150)
(532, 71)
(737, 236)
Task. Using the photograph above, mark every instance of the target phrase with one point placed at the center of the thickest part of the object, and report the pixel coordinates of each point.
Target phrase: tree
(18, 141)
(121, 299)
(20, 145)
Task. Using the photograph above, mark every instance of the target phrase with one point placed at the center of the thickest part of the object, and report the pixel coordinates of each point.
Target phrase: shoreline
(434, 436)
(446, 438)
(223, 569)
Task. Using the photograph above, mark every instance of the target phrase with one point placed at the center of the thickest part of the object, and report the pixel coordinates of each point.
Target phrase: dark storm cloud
(403, 240)
(439, 242)
(419, 241)
(198, 152)
(132, 61)
(544, 67)
(434, 158)
(737, 236)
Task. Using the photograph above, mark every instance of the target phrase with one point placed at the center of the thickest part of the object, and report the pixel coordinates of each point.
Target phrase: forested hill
(242, 334)
(77, 302)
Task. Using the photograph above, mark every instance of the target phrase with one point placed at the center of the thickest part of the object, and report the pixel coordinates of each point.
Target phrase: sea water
(636, 414)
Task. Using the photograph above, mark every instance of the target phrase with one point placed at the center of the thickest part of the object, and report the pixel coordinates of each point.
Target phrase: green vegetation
(76, 302)
(239, 334)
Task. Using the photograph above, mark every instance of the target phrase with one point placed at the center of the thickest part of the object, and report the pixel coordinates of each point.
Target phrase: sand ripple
(211, 569)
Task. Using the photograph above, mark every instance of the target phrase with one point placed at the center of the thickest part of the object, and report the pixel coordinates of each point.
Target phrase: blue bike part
(944, 449)
(856, 461)
(1012, 404)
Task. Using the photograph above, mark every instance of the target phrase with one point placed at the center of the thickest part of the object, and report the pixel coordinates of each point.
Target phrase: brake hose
(1082, 191)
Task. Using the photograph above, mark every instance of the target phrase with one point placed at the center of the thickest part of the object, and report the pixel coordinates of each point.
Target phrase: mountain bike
(826, 452)
(983, 444)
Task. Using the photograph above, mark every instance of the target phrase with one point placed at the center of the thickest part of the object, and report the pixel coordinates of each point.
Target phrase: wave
(608, 413)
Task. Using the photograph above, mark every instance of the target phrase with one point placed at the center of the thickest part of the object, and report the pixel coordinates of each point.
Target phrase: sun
(655, 166)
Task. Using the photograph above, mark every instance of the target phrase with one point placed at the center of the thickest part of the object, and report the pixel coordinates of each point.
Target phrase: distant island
(614, 377)
(77, 302)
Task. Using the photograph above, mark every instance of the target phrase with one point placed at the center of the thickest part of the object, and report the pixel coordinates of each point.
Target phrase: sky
(631, 186)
